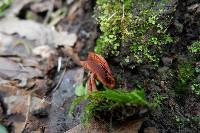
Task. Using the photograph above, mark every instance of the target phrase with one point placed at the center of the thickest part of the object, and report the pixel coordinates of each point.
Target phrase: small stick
(28, 110)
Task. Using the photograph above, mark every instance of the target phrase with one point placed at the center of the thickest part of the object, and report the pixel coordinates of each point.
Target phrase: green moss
(186, 75)
(134, 26)
(188, 78)
(196, 88)
(193, 121)
(195, 47)
(157, 101)
(179, 121)
(109, 102)
(194, 50)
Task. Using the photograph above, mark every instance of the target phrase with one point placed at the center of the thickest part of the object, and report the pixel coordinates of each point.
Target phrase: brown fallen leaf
(11, 70)
(12, 89)
(40, 87)
(16, 104)
(68, 51)
(33, 31)
(30, 62)
(8, 68)
(44, 51)
(75, 10)
(17, 107)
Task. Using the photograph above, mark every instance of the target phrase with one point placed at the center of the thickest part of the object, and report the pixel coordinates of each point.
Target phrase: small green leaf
(81, 90)
(3, 5)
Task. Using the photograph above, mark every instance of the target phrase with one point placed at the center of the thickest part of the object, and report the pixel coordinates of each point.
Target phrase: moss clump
(196, 88)
(194, 50)
(188, 78)
(133, 27)
(158, 100)
(186, 75)
(195, 47)
(111, 103)
(189, 122)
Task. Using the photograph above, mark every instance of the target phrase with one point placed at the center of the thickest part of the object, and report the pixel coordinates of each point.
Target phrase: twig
(60, 80)
(28, 110)
(27, 113)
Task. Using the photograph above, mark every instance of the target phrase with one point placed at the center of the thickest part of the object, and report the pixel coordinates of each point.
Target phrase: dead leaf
(17, 107)
(68, 51)
(44, 51)
(5, 41)
(30, 62)
(17, 5)
(43, 6)
(75, 10)
(13, 45)
(70, 2)
(12, 70)
(8, 68)
(16, 104)
(34, 31)
(40, 6)
(11, 89)
(40, 87)
(52, 62)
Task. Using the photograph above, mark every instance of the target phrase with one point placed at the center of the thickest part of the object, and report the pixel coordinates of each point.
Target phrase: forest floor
(41, 44)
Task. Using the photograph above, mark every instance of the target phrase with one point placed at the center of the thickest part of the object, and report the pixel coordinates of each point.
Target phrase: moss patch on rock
(135, 31)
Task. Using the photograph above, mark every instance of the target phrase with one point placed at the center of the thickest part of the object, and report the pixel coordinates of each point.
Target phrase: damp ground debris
(149, 48)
